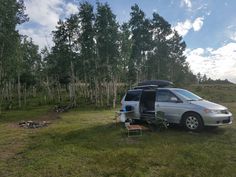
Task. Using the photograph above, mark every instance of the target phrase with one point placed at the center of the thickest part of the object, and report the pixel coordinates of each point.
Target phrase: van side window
(165, 96)
(133, 95)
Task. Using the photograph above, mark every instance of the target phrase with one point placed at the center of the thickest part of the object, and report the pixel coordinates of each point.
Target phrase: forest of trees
(203, 79)
(92, 59)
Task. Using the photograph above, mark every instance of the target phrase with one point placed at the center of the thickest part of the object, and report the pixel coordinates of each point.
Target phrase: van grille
(226, 121)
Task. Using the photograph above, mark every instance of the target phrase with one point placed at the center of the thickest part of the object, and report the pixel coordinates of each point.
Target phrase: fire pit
(33, 124)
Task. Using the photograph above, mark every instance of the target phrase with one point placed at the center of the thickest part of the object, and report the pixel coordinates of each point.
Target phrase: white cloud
(197, 24)
(154, 10)
(184, 27)
(215, 63)
(202, 7)
(45, 14)
(186, 3)
(40, 36)
(208, 13)
(71, 9)
(198, 51)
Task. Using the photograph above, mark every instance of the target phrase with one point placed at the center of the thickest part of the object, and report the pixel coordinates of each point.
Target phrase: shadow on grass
(206, 130)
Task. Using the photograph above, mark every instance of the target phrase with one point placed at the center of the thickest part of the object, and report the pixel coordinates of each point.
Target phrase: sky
(208, 27)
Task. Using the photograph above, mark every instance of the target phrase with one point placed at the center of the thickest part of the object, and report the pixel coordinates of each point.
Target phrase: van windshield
(188, 95)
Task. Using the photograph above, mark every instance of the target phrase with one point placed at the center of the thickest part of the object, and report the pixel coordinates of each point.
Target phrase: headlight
(212, 111)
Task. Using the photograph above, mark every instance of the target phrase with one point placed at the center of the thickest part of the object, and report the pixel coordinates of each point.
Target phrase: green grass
(217, 93)
(87, 143)
(24, 114)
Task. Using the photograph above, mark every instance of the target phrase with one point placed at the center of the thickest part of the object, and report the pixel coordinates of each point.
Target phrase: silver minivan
(180, 107)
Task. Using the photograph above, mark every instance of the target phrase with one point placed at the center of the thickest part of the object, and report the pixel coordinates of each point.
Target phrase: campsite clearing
(87, 143)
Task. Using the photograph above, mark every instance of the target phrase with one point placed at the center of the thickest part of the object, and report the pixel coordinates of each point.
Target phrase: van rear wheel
(193, 122)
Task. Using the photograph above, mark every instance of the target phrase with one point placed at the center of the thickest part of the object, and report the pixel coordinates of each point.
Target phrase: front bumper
(218, 119)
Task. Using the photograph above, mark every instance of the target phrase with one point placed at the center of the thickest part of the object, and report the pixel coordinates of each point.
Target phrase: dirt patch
(9, 150)
(17, 143)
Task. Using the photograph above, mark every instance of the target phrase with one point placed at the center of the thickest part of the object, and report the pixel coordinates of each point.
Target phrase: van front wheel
(193, 122)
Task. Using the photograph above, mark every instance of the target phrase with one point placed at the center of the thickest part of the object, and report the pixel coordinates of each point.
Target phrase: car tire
(193, 122)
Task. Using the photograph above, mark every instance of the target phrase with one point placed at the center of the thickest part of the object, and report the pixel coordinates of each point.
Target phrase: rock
(22, 122)
(61, 108)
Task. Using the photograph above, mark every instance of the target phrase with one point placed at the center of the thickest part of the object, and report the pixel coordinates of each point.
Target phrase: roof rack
(154, 84)
(146, 87)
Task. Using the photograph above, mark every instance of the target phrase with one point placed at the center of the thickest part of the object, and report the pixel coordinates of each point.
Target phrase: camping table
(134, 130)
(118, 114)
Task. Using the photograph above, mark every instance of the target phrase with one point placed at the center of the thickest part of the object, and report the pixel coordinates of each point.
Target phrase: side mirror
(174, 99)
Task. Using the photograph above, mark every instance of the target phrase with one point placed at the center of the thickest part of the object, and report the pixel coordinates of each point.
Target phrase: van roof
(146, 87)
(154, 84)
(158, 83)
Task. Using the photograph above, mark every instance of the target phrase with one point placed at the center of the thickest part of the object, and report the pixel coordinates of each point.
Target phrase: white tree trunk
(73, 95)
(108, 92)
(25, 95)
(114, 92)
(19, 89)
(49, 90)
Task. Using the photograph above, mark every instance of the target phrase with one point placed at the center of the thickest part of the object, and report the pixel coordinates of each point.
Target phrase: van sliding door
(165, 104)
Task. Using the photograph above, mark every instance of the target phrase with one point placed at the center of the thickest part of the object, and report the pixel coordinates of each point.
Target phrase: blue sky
(208, 27)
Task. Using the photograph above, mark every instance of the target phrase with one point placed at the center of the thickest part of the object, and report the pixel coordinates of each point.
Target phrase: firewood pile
(59, 108)
(33, 124)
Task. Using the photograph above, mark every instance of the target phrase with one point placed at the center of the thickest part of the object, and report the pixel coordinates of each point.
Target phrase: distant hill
(203, 79)
(217, 81)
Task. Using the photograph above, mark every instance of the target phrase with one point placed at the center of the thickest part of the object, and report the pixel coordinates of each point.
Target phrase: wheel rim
(192, 122)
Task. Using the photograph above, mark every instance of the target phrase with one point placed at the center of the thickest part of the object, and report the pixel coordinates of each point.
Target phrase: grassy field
(217, 93)
(84, 143)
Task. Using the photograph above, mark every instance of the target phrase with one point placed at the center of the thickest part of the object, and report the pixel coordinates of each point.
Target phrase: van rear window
(133, 95)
